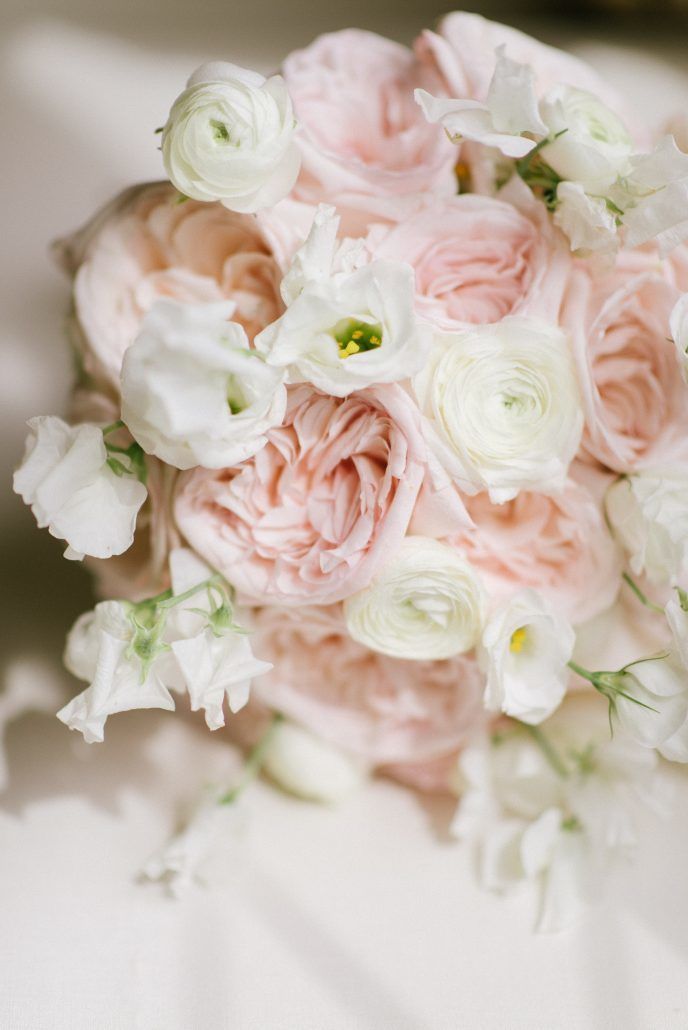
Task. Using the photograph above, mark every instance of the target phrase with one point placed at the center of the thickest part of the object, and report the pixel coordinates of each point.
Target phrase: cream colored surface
(358, 918)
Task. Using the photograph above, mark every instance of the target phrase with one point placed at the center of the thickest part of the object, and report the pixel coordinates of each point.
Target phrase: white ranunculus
(193, 392)
(426, 603)
(511, 110)
(648, 512)
(230, 137)
(72, 490)
(309, 767)
(525, 650)
(592, 147)
(558, 808)
(99, 650)
(660, 684)
(587, 221)
(679, 332)
(654, 197)
(503, 406)
(345, 327)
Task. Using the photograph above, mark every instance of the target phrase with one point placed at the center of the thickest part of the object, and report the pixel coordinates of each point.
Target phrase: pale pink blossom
(312, 516)
(146, 245)
(384, 709)
(365, 143)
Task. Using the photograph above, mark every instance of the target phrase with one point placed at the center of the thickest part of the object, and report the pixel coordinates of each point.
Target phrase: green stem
(585, 673)
(170, 601)
(643, 598)
(254, 762)
(548, 750)
(119, 424)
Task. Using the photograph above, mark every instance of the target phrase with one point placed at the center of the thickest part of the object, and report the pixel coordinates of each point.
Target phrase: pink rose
(463, 53)
(364, 141)
(384, 709)
(558, 545)
(146, 245)
(635, 401)
(478, 259)
(313, 515)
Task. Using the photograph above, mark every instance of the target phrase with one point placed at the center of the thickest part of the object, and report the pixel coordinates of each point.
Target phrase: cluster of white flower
(578, 155)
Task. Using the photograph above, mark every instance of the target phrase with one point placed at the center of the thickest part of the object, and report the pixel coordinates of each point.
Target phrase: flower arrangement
(382, 406)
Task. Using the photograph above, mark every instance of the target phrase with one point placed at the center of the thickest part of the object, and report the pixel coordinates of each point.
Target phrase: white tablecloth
(360, 918)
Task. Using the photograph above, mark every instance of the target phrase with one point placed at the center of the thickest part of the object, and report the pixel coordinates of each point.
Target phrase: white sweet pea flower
(503, 405)
(511, 110)
(66, 478)
(648, 512)
(525, 649)
(193, 392)
(181, 862)
(587, 221)
(230, 137)
(309, 767)
(590, 144)
(427, 603)
(676, 612)
(654, 197)
(679, 332)
(651, 699)
(555, 807)
(345, 327)
(100, 650)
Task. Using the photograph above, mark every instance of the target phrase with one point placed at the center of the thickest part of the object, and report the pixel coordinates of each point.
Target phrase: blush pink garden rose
(365, 143)
(477, 259)
(386, 710)
(146, 245)
(314, 514)
(635, 401)
(558, 545)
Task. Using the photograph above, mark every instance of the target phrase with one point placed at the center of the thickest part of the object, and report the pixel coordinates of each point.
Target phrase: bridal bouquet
(379, 442)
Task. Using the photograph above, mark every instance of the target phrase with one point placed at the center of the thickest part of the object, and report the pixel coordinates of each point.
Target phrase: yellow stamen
(351, 348)
(518, 639)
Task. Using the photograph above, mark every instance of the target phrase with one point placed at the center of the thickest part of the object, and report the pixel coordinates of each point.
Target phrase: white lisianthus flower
(592, 145)
(587, 221)
(648, 512)
(679, 332)
(511, 110)
(66, 478)
(427, 603)
(193, 392)
(309, 767)
(651, 700)
(504, 406)
(556, 808)
(230, 137)
(99, 650)
(345, 327)
(525, 649)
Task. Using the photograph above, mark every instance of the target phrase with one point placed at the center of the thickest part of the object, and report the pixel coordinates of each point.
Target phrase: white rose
(587, 221)
(525, 651)
(649, 515)
(676, 612)
(503, 404)
(679, 332)
(72, 490)
(309, 767)
(511, 110)
(651, 701)
(345, 328)
(229, 137)
(193, 392)
(427, 603)
(594, 146)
